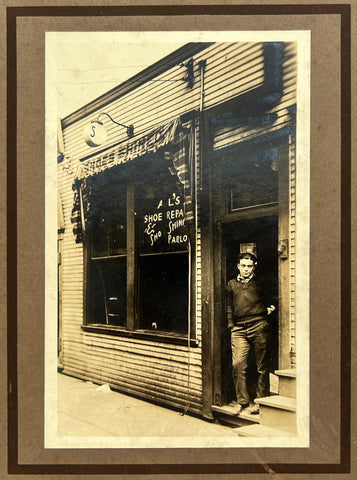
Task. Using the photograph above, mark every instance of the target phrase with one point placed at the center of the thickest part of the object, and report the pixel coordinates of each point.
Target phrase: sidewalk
(83, 410)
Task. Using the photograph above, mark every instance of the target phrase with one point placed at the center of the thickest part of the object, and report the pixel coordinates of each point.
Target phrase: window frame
(133, 328)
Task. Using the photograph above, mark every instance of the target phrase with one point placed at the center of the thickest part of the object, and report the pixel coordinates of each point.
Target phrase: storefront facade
(152, 220)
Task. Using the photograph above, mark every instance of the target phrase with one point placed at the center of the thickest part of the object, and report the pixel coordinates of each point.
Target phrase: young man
(247, 318)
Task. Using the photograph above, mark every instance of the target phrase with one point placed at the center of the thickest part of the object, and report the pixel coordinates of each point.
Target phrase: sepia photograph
(181, 188)
(177, 247)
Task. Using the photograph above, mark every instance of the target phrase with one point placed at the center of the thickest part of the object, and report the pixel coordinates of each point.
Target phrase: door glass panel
(252, 181)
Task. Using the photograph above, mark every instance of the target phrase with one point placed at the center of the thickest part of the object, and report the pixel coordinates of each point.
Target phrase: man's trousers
(246, 336)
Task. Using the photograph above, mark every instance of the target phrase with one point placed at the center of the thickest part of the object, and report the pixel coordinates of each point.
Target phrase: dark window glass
(108, 265)
(162, 240)
(158, 271)
(164, 292)
(109, 291)
(109, 236)
(252, 181)
(160, 219)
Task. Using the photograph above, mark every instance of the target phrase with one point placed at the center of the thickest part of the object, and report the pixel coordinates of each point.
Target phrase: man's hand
(271, 309)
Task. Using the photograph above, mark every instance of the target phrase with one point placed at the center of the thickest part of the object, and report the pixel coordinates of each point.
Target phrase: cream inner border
(52, 440)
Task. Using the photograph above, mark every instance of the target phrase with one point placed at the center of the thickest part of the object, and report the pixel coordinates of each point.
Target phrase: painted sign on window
(163, 224)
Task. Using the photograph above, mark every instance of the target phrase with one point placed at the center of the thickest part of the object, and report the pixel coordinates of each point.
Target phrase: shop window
(139, 264)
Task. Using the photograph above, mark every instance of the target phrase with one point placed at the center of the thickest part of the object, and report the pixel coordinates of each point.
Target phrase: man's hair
(248, 256)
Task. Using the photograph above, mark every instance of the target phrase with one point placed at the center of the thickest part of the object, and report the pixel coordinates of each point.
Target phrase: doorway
(250, 204)
(259, 236)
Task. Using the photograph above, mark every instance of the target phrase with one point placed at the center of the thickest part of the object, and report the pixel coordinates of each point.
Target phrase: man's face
(246, 267)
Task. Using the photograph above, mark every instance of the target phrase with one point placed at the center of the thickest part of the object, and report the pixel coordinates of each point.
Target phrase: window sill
(157, 336)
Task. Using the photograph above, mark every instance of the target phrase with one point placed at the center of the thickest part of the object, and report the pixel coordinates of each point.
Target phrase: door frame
(219, 217)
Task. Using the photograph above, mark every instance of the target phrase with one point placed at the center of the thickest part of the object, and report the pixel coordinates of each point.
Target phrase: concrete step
(262, 431)
(288, 372)
(226, 416)
(287, 382)
(277, 411)
(278, 401)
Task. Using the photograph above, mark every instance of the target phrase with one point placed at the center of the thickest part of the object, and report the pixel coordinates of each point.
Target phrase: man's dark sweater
(245, 302)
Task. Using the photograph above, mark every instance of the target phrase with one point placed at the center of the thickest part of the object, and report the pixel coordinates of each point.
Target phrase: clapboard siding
(144, 114)
(292, 254)
(126, 376)
(151, 384)
(117, 356)
(136, 368)
(168, 97)
(189, 402)
(143, 347)
(232, 69)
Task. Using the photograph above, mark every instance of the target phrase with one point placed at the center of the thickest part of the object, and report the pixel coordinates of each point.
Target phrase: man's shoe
(254, 410)
(239, 408)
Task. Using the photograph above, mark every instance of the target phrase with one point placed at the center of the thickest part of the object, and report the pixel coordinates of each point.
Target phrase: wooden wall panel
(159, 101)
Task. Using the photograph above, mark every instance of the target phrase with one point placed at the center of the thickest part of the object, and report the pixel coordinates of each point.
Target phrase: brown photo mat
(330, 241)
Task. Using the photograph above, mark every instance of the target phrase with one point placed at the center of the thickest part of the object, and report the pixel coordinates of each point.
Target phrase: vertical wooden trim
(130, 259)
(219, 279)
(60, 143)
(207, 273)
(219, 315)
(60, 295)
(192, 286)
(284, 263)
(60, 217)
(87, 297)
(193, 237)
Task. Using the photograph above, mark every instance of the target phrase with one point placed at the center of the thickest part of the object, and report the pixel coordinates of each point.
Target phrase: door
(259, 236)
(250, 201)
